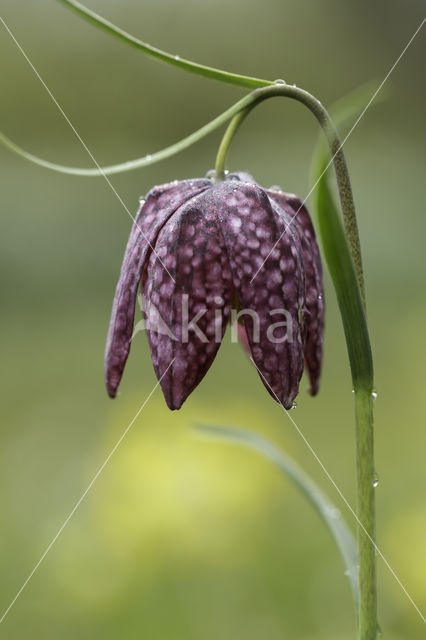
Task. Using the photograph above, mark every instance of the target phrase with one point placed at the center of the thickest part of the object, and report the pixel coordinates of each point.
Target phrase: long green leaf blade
(163, 56)
(338, 257)
(327, 511)
(131, 165)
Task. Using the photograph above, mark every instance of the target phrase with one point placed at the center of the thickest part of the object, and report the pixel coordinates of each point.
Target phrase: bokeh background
(182, 538)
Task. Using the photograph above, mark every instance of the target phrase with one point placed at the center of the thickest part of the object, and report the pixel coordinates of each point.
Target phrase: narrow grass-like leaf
(327, 511)
(163, 56)
(337, 253)
(342, 271)
(131, 165)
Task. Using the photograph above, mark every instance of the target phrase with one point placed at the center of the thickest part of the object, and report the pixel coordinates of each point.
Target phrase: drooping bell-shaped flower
(199, 250)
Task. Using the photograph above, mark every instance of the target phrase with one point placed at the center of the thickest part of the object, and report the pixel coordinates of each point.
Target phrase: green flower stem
(230, 132)
(342, 271)
(338, 158)
(163, 56)
(366, 513)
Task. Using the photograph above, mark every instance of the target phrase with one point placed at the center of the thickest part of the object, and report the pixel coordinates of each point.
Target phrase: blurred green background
(182, 538)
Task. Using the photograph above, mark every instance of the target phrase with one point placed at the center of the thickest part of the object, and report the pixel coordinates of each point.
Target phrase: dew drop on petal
(280, 81)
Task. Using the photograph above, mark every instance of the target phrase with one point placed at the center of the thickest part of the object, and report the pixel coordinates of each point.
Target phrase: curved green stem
(230, 132)
(130, 165)
(163, 56)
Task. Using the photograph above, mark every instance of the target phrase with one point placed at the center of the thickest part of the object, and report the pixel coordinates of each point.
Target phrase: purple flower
(200, 251)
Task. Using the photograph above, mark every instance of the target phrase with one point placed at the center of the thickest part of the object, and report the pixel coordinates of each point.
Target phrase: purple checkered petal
(195, 306)
(301, 222)
(160, 204)
(268, 276)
